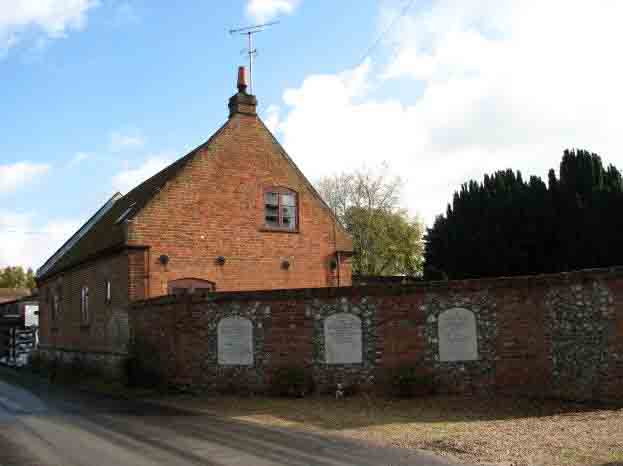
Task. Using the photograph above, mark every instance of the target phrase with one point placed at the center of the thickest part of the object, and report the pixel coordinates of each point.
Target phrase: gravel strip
(500, 431)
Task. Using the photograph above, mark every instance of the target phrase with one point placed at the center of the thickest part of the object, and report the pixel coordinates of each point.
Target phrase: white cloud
(53, 18)
(497, 84)
(120, 141)
(271, 118)
(262, 11)
(128, 178)
(26, 242)
(14, 176)
(78, 158)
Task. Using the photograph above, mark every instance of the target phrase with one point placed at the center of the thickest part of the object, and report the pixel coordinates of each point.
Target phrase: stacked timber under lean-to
(19, 329)
(234, 214)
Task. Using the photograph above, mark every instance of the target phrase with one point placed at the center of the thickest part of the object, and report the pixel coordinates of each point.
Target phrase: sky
(97, 95)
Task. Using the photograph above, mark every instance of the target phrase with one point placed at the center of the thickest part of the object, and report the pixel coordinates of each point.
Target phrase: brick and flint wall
(552, 335)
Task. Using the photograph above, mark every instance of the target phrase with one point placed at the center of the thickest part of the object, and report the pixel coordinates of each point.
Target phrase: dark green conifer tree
(506, 226)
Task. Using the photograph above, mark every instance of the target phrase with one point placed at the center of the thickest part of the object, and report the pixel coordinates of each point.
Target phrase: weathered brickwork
(523, 342)
(546, 336)
(106, 331)
(215, 208)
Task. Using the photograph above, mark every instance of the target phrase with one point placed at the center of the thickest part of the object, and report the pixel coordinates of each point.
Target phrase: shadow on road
(361, 411)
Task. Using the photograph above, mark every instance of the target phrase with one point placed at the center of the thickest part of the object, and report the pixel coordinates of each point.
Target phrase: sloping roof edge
(310, 186)
(136, 199)
(174, 168)
(54, 258)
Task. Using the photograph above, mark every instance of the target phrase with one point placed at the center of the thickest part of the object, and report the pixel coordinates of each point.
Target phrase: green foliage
(142, 367)
(507, 226)
(408, 382)
(39, 364)
(36, 363)
(385, 243)
(81, 368)
(292, 382)
(78, 370)
(138, 374)
(16, 277)
(386, 240)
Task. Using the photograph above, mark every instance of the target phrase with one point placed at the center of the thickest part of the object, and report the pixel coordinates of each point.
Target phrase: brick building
(234, 214)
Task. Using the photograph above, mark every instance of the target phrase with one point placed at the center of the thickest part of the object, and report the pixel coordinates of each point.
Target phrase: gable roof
(105, 232)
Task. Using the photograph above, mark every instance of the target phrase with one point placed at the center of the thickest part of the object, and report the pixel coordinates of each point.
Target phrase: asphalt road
(52, 429)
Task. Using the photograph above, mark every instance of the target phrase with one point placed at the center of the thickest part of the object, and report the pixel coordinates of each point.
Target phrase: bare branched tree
(363, 189)
(386, 240)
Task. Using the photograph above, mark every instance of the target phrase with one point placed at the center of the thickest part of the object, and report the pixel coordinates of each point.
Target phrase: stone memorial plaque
(235, 341)
(457, 335)
(342, 339)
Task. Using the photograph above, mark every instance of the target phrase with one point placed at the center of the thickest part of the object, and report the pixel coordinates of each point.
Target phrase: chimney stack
(241, 102)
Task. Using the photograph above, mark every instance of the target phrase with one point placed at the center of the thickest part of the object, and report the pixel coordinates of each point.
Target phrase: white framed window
(84, 304)
(108, 292)
(56, 306)
(280, 209)
(57, 302)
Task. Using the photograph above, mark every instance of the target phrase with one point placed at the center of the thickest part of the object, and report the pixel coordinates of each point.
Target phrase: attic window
(280, 209)
(125, 214)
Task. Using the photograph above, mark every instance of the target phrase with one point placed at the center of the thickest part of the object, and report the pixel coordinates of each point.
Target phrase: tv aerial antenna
(249, 31)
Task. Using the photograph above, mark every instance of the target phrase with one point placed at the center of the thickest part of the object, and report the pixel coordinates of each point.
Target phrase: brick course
(524, 347)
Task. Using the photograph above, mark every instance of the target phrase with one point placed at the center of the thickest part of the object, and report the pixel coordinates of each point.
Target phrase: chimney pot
(242, 79)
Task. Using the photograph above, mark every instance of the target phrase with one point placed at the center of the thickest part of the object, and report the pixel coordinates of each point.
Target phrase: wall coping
(522, 281)
(81, 351)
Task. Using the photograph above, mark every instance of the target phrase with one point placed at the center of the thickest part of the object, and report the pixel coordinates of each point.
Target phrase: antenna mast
(249, 31)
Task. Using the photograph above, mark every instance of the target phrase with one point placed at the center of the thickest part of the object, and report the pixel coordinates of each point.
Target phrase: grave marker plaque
(457, 335)
(235, 341)
(342, 337)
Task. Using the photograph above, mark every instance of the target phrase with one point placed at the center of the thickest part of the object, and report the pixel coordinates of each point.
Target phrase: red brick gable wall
(214, 207)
